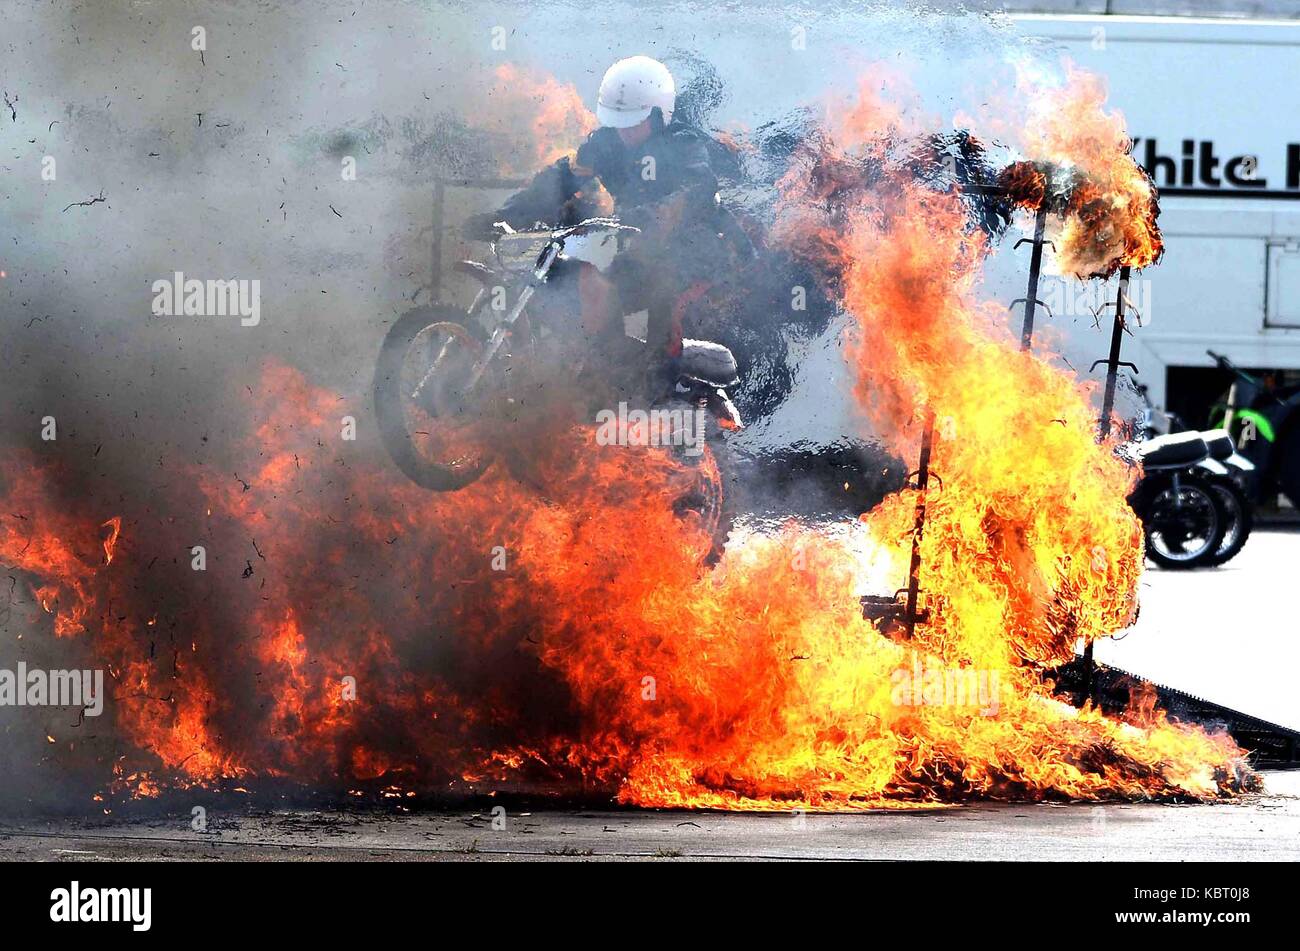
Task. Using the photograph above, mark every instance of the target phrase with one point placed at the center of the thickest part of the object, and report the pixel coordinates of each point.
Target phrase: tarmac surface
(1256, 828)
(1229, 634)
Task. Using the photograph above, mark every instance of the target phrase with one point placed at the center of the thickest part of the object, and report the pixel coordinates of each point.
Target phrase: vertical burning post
(911, 614)
(1030, 299)
(1112, 364)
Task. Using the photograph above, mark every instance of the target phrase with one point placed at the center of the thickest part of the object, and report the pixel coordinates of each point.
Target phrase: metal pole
(910, 616)
(1103, 424)
(1035, 264)
(1112, 362)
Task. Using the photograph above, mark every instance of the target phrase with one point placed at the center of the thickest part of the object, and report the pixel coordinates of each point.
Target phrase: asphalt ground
(1229, 634)
(1257, 828)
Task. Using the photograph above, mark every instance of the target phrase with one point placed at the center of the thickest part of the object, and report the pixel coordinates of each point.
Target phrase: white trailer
(1214, 110)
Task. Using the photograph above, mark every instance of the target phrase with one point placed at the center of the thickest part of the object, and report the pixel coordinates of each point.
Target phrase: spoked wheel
(1185, 526)
(1240, 521)
(433, 423)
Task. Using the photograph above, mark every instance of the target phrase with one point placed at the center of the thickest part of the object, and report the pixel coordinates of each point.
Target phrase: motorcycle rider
(659, 173)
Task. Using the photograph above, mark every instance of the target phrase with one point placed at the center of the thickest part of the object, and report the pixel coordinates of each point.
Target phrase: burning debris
(562, 632)
(1103, 204)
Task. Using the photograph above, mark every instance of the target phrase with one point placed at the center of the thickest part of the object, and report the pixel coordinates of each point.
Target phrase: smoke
(229, 163)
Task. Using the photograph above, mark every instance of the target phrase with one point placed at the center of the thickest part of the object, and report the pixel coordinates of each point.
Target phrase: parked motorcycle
(485, 366)
(1181, 472)
(1181, 515)
(1265, 425)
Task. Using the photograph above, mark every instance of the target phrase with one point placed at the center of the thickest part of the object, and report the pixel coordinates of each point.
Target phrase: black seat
(1219, 442)
(1174, 451)
(708, 362)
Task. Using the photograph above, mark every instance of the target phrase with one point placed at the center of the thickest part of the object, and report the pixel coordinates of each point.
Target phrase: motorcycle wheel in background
(1240, 521)
(1184, 526)
(420, 384)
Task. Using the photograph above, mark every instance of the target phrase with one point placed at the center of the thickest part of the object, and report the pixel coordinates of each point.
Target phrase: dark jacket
(686, 242)
(670, 160)
(674, 158)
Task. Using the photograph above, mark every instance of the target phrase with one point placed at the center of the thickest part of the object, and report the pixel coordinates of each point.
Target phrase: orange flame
(114, 526)
(602, 658)
(540, 118)
(1076, 147)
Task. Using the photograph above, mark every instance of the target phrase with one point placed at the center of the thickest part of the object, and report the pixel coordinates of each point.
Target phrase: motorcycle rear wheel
(1240, 522)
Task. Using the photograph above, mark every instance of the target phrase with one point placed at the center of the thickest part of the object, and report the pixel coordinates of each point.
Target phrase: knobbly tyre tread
(717, 513)
(389, 410)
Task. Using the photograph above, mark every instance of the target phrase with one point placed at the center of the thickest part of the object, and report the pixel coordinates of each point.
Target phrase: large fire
(349, 629)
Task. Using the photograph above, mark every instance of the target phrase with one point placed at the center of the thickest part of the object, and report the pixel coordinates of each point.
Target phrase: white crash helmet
(631, 89)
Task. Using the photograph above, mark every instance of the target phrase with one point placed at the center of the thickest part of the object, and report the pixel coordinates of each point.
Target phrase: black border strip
(1227, 193)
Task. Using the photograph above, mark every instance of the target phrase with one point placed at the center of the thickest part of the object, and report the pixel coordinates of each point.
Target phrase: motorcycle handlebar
(1225, 364)
(587, 224)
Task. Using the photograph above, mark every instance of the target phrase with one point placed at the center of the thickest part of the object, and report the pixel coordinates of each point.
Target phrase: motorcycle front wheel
(434, 425)
(1184, 526)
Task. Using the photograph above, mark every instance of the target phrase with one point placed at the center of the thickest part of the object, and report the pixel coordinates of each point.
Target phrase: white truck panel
(1230, 279)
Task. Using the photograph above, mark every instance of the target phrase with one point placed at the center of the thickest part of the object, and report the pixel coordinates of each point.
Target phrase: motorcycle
(1181, 514)
(485, 366)
(1265, 423)
(1230, 473)
(1181, 471)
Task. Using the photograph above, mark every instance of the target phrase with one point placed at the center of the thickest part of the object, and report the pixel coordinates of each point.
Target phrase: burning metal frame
(1082, 681)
